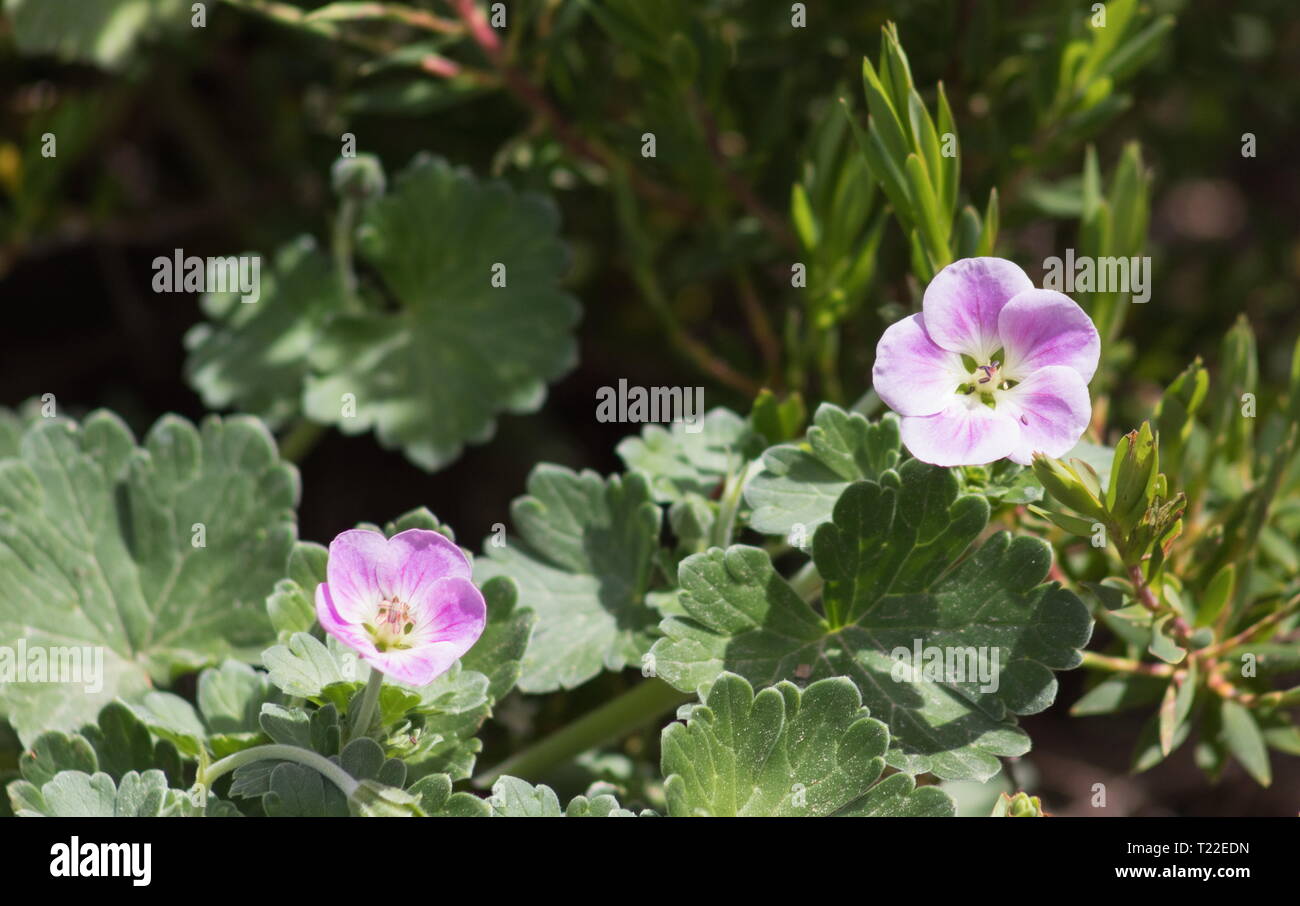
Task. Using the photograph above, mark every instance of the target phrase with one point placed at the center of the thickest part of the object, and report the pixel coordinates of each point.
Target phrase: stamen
(394, 622)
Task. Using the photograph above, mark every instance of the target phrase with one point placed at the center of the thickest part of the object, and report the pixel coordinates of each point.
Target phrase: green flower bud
(1065, 486)
(359, 177)
(1022, 805)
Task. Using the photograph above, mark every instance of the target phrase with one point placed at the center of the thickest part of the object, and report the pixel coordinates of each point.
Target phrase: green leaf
(160, 557)
(950, 167)
(174, 719)
(1176, 706)
(515, 798)
(438, 801)
(603, 806)
(786, 753)
(582, 563)
(882, 166)
(885, 120)
(926, 208)
(432, 372)
(122, 743)
(378, 800)
(499, 652)
(105, 32)
(292, 605)
(54, 752)
(1119, 693)
(1245, 741)
(231, 696)
(989, 230)
(231, 699)
(75, 794)
(688, 459)
(1176, 414)
(895, 578)
(254, 355)
(1149, 752)
(304, 667)
(1217, 594)
(800, 483)
(1162, 644)
(295, 792)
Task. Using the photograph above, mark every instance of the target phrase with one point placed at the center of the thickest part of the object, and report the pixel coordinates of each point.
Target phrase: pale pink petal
(1053, 411)
(415, 666)
(1042, 327)
(421, 569)
(358, 562)
(451, 610)
(967, 433)
(348, 631)
(419, 557)
(912, 374)
(962, 303)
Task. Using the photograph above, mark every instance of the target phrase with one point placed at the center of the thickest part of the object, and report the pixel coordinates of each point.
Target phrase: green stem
(634, 708)
(1124, 665)
(300, 440)
(345, 224)
(828, 354)
(277, 752)
(365, 713)
(724, 527)
(807, 582)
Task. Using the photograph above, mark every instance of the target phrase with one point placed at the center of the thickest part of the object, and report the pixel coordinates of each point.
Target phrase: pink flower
(991, 368)
(405, 604)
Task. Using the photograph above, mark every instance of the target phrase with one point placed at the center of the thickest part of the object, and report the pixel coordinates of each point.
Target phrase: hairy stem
(278, 752)
(365, 713)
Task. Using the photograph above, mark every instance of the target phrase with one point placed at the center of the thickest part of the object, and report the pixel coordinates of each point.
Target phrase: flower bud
(359, 177)
(1065, 486)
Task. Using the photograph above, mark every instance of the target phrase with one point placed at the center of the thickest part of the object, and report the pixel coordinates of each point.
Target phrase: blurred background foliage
(1109, 141)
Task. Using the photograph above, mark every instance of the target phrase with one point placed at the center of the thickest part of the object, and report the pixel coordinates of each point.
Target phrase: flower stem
(365, 713)
(345, 223)
(634, 708)
(1252, 632)
(1181, 632)
(1124, 665)
(278, 752)
(300, 440)
(724, 527)
(808, 582)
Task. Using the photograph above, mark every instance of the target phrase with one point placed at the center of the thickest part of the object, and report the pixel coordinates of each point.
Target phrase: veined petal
(967, 433)
(349, 632)
(358, 563)
(418, 558)
(962, 303)
(449, 611)
(913, 375)
(1052, 409)
(1041, 327)
(415, 666)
